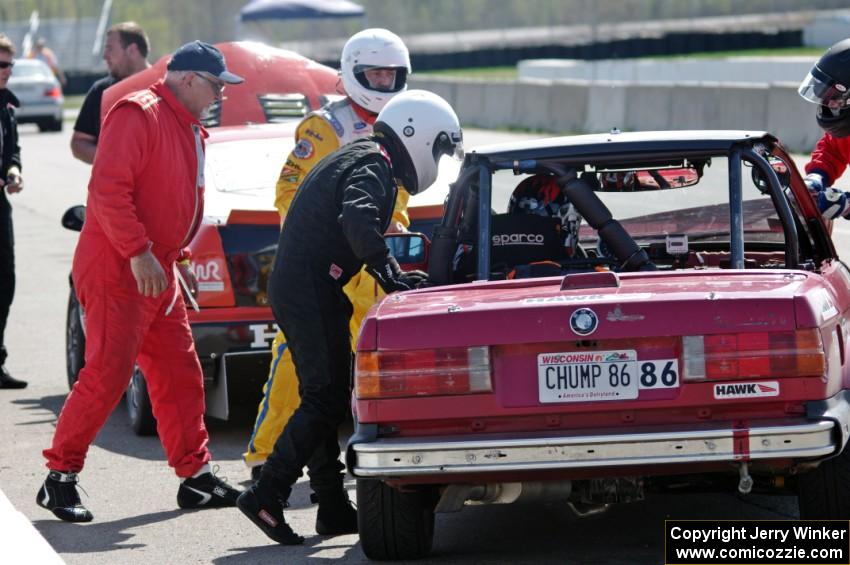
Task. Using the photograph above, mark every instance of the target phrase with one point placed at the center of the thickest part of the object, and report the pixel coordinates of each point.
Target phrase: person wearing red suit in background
(144, 206)
(828, 86)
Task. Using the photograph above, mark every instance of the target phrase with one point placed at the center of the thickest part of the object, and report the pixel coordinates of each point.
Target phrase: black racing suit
(335, 224)
(10, 154)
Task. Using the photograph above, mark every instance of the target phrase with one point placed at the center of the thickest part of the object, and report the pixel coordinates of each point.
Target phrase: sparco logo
(518, 239)
(746, 390)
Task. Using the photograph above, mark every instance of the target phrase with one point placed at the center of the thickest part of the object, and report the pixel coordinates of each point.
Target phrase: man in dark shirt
(10, 182)
(125, 52)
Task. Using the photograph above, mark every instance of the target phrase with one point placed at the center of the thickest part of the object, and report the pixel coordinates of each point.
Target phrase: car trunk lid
(539, 311)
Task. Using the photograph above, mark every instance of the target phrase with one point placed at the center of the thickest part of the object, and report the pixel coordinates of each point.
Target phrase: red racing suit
(146, 192)
(830, 158)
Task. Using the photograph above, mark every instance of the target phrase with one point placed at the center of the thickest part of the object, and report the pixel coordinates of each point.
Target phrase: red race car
(655, 311)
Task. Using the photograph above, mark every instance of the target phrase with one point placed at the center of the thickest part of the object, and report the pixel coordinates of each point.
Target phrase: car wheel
(394, 524)
(55, 124)
(139, 405)
(824, 493)
(75, 339)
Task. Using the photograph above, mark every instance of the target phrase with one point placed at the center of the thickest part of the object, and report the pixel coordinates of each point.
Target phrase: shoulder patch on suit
(328, 112)
(144, 98)
(303, 149)
(359, 126)
(337, 125)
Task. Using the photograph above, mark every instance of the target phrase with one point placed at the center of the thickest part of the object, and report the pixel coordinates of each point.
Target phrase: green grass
(779, 52)
(482, 72)
(74, 101)
(510, 73)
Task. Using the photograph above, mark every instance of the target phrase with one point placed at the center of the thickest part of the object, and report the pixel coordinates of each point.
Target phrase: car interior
(604, 234)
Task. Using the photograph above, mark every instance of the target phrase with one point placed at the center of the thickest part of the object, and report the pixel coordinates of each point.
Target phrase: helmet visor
(381, 79)
(820, 88)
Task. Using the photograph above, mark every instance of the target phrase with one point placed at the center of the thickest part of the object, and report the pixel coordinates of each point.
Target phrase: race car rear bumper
(806, 439)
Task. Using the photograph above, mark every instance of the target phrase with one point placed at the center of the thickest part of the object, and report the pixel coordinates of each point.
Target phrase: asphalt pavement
(131, 490)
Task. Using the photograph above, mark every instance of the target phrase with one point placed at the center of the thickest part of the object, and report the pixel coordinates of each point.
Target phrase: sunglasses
(218, 87)
(7, 64)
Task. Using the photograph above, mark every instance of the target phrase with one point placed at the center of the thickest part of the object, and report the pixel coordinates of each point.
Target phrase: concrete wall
(729, 69)
(565, 107)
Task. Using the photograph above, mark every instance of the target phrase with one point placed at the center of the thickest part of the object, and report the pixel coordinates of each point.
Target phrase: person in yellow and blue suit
(373, 68)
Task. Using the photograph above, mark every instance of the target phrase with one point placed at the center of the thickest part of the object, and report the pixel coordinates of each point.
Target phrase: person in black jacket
(335, 225)
(11, 182)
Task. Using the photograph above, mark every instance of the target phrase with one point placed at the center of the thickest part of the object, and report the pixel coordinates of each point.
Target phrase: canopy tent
(295, 9)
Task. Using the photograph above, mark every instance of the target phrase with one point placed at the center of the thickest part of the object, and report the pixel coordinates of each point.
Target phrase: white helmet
(370, 49)
(419, 127)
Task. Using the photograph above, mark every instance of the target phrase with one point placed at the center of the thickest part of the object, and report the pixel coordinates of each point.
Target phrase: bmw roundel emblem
(408, 131)
(584, 321)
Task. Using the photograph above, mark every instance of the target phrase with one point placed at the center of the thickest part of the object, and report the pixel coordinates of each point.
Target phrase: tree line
(170, 23)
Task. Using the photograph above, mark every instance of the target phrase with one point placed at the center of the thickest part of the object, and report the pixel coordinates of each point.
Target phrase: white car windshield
(242, 174)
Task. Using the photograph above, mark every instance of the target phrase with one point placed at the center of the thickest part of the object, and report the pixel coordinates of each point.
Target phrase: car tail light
(54, 92)
(422, 372)
(751, 355)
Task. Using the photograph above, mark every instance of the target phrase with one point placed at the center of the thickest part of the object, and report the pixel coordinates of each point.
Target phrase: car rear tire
(50, 124)
(138, 403)
(75, 339)
(824, 493)
(394, 524)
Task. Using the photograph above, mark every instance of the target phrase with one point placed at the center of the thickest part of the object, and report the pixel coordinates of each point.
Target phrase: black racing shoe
(206, 491)
(336, 515)
(59, 495)
(7, 381)
(265, 509)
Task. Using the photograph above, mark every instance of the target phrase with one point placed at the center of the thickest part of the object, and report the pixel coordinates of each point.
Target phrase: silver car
(40, 94)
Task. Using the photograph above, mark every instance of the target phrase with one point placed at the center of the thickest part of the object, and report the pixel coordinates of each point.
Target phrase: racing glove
(833, 203)
(814, 182)
(389, 275)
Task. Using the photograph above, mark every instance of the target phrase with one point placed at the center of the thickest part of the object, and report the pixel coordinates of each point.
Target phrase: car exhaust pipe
(455, 496)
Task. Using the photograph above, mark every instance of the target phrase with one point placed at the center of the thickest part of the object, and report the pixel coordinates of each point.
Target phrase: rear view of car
(39, 93)
(693, 338)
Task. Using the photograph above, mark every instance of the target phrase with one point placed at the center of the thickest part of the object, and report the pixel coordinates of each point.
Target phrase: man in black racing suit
(336, 224)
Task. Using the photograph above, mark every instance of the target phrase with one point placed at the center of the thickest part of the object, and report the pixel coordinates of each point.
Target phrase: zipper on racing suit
(199, 182)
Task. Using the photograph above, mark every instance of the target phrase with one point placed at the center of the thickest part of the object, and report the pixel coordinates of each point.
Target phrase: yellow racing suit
(318, 135)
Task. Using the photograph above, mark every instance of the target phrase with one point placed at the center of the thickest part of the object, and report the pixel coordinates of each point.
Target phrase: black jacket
(338, 217)
(10, 151)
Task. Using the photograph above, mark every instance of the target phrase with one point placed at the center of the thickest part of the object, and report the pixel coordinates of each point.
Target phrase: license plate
(601, 375)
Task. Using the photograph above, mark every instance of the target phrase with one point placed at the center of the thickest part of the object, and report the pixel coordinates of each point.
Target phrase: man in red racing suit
(144, 205)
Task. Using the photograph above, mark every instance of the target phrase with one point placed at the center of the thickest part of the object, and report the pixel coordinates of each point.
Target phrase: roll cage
(469, 202)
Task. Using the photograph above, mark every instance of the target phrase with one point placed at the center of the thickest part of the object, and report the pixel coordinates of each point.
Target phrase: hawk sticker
(304, 149)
